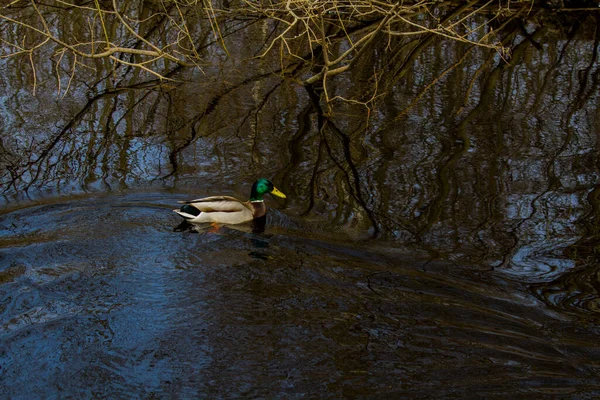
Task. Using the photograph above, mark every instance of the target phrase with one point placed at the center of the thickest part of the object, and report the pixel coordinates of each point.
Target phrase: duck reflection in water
(256, 226)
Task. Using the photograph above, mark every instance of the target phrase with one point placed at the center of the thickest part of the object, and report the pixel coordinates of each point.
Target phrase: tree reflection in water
(461, 151)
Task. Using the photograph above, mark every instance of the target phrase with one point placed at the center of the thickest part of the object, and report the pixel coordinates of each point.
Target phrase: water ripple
(115, 303)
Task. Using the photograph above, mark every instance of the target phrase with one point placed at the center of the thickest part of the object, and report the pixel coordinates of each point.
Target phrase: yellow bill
(277, 193)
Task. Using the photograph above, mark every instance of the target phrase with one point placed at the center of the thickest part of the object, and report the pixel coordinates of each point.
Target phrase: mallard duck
(227, 209)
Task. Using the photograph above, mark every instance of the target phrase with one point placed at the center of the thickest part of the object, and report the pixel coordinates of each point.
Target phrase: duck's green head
(263, 186)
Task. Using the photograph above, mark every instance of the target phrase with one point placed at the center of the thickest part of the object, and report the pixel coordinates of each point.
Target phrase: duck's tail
(188, 211)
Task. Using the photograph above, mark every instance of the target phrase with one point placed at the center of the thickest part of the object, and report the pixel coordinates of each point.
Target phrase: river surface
(439, 238)
(108, 296)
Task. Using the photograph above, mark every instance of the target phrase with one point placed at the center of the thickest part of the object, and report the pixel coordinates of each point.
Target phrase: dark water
(439, 241)
(100, 297)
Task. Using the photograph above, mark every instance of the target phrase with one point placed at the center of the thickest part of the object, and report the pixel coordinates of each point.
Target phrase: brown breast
(259, 208)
